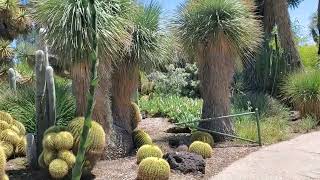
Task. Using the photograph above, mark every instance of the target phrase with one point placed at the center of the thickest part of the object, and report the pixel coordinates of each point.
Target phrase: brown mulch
(126, 168)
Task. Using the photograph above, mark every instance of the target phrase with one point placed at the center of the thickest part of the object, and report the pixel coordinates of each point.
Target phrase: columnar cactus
(12, 79)
(50, 96)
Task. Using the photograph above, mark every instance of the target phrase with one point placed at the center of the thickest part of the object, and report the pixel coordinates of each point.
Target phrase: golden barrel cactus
(147, 150)
(58, 169)
(153, 168)
(203, 137)
(201, 148)
(141, 138)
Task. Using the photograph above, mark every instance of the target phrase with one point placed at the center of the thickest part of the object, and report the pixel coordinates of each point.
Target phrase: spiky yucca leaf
(6, 51)
(201, 21)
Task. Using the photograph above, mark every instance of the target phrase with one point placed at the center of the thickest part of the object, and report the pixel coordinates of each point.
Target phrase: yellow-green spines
(55, 129)
(20, 126)
(203, 137)
(3, 160)
(148, 151)
(4, 116)
(153, 168)
(15, 129)
(22, 146)
(201, 148)
(41, 162)
(141, 138)
(63, 141)
(48, 141)
(68, 157)
(10, 136)
(136, 115)
(7, 148)
(4, 177)
(48, 156)
(96, 136)
(4, 125)
(58, 168)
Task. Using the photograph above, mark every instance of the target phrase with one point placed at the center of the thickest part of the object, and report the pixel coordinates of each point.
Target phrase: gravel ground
(126, 168)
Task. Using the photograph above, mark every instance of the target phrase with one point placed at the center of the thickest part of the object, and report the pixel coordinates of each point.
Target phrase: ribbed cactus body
(4, 116)
(9, 136)
(20, 126)
(58, 168)
(3, 160)
(15, 129)
(7, 148)
(4, 125)
(147, 150)
(12, 79)
(68, 157)
(201, 148)
(55, 129)
(21, 148)
(153, 168)
(41, 162)
(203, 137)
(136, 115)
(50, 97)
(49, 156)
(63, 141)
(141, 138)
(49, 141)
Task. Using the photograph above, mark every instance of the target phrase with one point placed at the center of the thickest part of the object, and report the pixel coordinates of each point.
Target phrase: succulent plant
(68, 157)
(148, 151)
(15, 129)
(7, 148)
(58, 168)
(48, 141)
(136, 115)
(48, 156)
(41, 162)
(55, 129)
(63, 141)
(10, 136)
(20, 126)
(4, 116)
(201, 148)
(153, 168)
(3, 160)
(21, 148)
(141, 138)
(96, 136)
(4, 125)
(203, 137)
(4, 177)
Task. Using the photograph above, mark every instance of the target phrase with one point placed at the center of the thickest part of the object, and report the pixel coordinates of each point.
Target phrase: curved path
(296, 159)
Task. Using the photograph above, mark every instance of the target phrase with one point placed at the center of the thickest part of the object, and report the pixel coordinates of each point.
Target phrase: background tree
(220, 32)
(69, 33)
(143, 53)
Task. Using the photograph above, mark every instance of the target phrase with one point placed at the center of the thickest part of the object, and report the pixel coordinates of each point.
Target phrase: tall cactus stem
(50, 97)
(12, 79)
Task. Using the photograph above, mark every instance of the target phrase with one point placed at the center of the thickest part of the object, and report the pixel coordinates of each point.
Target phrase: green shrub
(305, 125)
(178, 109)
(153, 168)
(302, 89)
(309, 55)
(22, 104)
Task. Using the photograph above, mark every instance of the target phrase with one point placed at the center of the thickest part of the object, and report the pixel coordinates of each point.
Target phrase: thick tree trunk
(216, 69)
(80, 73)
(124, 84)
(282, 19)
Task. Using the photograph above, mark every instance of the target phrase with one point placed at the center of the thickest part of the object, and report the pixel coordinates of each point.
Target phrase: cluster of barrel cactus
(203, 137)
(60, 144)
(153, 168)
(141, 138)
(201, 148)
(12, 136)
(3, 162)
(57, 153)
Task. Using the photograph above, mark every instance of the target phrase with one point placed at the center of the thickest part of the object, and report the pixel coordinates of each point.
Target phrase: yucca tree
(143, 53)
(13, 19)
(76, 30)
(276, 13)
(220, 33)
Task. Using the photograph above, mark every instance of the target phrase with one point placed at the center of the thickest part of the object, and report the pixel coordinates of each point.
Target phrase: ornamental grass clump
(302, 89)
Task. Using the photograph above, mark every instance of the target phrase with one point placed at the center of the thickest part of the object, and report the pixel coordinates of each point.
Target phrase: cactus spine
(12, 79)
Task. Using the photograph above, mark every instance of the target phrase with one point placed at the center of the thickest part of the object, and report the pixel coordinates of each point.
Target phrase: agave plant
(220, 33)
(144, 52)
(6, 51)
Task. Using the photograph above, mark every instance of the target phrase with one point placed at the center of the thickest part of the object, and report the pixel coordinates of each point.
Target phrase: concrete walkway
(296, 159)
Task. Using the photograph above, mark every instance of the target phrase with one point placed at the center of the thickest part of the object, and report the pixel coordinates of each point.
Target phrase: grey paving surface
(296, 159)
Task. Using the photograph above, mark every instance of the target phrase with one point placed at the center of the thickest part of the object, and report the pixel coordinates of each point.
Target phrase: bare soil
(126, 168)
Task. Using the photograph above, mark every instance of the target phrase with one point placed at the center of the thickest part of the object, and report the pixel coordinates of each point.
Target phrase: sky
(301, 16)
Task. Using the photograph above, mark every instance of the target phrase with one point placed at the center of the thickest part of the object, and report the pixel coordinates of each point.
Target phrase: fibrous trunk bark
(216, 69)
(125, 80)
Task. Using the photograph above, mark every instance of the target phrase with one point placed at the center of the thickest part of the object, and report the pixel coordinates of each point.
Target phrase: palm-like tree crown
(201, 21)
(67, 24)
